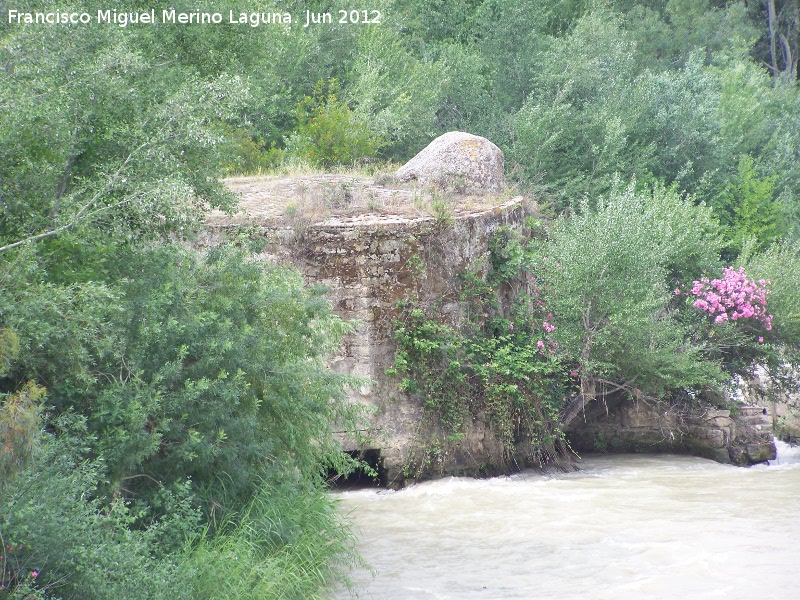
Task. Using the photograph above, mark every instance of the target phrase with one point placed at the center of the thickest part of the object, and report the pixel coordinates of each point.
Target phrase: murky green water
(625, 527)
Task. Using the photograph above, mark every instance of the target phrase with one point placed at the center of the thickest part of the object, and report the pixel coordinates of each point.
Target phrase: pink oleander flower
(540, 344)
(733, 297)
(34, 574)
(760, 340)
(548, 327)
(511, 327)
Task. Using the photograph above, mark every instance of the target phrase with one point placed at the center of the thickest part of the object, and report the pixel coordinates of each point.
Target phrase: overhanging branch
(77, 217)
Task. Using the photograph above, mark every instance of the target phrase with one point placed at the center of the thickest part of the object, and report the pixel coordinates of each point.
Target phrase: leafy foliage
(92, 132)
(202, 368)
(779, 264)
(496, 366)
(289, 542)
(606, 275)
(748, 205)
(147, 393)
(78, 546)
(19, 429)
(601, 310)
(328, 133)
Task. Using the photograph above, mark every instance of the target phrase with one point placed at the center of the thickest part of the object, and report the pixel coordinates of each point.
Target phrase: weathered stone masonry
(370, 263)
(619, 425)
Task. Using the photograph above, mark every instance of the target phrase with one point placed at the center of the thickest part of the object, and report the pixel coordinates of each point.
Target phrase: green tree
(178, 385)
(186, 368)
(607, 275)
(393, 91)
(177, 394)
(575, 129)
(747, 205)
(93, 132)
(780, 265)
(328, 132)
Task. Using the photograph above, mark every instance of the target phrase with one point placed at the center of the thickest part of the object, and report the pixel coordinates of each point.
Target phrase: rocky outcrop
(741, 437)
(456, 160)
(753, 440)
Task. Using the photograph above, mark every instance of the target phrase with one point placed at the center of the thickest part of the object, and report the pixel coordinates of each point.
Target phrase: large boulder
(459, 161)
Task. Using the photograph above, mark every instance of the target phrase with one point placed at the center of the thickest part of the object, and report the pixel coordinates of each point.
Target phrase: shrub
(174, 392)
(63, 541)
(328, 133)
(604, 273)
(499, 362)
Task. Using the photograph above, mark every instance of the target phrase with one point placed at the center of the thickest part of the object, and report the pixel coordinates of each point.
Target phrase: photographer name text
(174, 17)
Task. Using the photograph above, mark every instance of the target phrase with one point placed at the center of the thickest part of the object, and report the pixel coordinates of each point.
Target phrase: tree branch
(77, 217)
(790, 63)
(589, 393)
(146, 476)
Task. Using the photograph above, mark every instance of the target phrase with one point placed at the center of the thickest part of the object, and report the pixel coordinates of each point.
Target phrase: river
(623, 527)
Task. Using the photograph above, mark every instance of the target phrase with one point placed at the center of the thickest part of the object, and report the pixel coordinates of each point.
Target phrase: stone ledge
(621, 426)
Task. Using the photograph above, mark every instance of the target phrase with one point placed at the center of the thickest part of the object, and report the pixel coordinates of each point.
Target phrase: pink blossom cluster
(549, 328)
(733, 297)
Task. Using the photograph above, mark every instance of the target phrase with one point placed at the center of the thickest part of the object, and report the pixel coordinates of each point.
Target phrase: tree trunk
(574, 408)
(772, 21)
(789, 60)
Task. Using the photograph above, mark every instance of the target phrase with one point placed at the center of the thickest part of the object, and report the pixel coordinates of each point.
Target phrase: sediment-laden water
(624, 527)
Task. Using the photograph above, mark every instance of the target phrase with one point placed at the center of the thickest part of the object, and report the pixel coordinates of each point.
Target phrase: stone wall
(784, 406)
(618, 425)
(370, 262)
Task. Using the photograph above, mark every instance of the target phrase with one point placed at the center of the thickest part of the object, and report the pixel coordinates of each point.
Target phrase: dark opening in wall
(360, 478)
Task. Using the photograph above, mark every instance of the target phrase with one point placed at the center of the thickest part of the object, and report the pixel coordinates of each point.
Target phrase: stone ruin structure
(376, 242)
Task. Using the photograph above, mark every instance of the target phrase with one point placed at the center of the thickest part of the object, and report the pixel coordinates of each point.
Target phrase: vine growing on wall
(499, 362)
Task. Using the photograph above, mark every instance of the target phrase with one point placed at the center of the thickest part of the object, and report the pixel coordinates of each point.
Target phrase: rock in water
(459, 161)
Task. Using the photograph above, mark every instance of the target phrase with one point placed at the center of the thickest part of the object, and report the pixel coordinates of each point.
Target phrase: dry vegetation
(317, 198)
